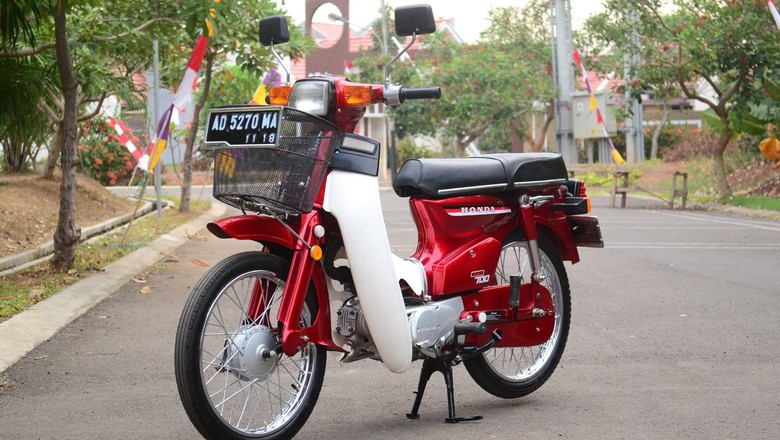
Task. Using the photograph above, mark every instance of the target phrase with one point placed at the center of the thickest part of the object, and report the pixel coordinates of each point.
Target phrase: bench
(620, 187)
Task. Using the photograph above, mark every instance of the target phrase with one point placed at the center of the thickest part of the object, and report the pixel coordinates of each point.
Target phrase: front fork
(304, 268)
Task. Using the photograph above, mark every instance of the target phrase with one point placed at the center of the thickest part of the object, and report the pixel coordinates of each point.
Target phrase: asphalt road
(674, 335)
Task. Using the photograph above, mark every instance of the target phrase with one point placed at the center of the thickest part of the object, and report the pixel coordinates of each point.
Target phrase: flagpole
(132, 177)
(137, 205)
(158, 167)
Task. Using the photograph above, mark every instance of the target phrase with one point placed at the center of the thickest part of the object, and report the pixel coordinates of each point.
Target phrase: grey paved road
(674, 335)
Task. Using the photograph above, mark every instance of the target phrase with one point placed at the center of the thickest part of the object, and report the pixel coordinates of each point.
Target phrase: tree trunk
(720, 165)
(657, 132)
(54, 154)
(186, 166)
(67, 235)
(460, 147)
(549, 117)
(16, 149)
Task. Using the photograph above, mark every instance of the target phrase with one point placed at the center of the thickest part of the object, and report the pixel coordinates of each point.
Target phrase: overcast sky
(470, 16)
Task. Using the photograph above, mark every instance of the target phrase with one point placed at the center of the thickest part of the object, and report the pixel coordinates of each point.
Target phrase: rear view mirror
(273, 30)
(415, 19)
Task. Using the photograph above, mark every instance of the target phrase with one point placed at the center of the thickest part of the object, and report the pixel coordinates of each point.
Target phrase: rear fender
(558, 231)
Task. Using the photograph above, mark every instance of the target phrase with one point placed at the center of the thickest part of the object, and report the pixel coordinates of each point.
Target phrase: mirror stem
(395, 58)
(281, 62)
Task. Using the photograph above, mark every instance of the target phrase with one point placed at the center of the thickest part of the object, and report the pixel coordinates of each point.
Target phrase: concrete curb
(7, 264)
(20, 334)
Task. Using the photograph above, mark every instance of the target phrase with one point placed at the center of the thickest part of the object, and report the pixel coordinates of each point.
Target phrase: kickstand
(444, 366)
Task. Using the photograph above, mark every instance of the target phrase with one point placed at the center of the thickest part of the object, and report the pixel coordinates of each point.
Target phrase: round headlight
(310, 97)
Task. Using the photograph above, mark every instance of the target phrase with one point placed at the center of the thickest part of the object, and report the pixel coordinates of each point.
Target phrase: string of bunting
(616, 157)
(126, 139)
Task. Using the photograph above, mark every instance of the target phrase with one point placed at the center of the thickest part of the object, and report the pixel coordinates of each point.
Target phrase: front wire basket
(285, 178)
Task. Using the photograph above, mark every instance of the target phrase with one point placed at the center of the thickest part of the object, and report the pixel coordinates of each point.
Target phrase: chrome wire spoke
(243, 409)
(292, 361)
(501, 277)
(255, 410)
(227, 398)
(234, 298)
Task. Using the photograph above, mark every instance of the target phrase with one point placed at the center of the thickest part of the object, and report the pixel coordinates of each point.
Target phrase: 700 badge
(243, 127)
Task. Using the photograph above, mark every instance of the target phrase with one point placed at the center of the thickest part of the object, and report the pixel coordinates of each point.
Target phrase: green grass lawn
(765, 203)
(21, 290)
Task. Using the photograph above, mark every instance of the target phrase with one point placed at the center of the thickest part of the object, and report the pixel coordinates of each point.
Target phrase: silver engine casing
(431, 326)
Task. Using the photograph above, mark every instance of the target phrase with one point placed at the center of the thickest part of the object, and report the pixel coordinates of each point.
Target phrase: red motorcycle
(486, 286)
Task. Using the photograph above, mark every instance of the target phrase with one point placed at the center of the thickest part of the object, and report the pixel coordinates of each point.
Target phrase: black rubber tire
(504, 386)
(188, 364)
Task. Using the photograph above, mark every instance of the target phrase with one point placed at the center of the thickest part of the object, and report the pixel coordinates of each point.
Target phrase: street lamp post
(389, 123)
(336, 17)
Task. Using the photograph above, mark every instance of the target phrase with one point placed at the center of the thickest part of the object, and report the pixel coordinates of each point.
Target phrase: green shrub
(406, 149)
(103, 158)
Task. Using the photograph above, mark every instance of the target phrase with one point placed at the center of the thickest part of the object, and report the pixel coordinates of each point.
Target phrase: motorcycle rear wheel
(512, 372)
(233, 380)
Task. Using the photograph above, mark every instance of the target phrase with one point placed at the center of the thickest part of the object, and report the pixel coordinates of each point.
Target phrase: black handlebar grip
(422, 93)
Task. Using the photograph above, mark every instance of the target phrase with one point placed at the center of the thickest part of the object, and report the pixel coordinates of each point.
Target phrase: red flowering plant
(102, 156)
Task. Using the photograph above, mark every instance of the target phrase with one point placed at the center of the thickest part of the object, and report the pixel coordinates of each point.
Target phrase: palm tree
(22, 126)
(18, 20)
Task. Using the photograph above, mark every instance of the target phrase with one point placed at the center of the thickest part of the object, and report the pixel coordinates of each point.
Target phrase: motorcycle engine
(351, 323)
(432, 326)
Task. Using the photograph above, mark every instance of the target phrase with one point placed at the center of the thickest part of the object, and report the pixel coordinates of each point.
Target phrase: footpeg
(465, 328)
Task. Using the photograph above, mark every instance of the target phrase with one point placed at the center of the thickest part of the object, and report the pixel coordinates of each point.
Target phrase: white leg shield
(354, 200)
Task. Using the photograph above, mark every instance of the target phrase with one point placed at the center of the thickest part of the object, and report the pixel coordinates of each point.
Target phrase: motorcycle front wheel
(233, 379)
(512, 372)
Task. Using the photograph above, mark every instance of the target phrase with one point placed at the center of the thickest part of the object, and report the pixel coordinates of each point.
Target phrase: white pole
(158, 168)
(564, 73)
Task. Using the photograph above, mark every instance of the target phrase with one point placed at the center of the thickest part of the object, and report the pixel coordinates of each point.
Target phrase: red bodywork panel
(459, 239)
(460, 236)
(521, 331)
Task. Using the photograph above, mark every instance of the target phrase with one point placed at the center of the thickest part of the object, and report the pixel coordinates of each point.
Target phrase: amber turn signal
(316, 253)
(356, 95)
(279, 95)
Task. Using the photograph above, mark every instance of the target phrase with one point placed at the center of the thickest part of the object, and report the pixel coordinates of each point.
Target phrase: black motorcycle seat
(489, 173)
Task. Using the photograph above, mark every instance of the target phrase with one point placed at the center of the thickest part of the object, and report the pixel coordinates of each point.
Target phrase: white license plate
(254, 126)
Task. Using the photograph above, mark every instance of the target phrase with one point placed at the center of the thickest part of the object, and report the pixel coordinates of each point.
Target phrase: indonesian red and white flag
(140, 155)
(181, 98)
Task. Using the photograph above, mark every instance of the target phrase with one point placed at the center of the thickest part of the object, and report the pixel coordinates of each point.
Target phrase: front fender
(253, 227)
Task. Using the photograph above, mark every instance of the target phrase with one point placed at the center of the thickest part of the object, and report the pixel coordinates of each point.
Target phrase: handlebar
(395, 95)
(420, 93)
